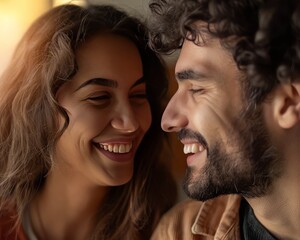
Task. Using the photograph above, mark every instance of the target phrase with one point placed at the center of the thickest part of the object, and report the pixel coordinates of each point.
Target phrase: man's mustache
(189, 134)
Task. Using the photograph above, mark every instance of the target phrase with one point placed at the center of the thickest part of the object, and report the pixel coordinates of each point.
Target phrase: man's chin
(194, 191)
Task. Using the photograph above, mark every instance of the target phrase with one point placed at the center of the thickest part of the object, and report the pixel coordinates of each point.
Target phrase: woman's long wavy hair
(266, 33)
(43, 61)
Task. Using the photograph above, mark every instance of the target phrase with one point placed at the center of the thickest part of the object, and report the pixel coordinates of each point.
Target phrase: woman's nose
(174, 117)
(125, 119)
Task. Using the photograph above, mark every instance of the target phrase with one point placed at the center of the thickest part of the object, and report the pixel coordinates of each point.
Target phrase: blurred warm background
(17, 15)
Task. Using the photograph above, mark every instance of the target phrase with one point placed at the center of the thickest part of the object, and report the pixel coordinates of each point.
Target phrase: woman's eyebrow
(99, 81)
(139, 81)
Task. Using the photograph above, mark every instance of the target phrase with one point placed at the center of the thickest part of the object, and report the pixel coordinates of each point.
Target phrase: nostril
(166, 127)
(171, 128)
(125, 124)
(173, 118)
(173, 123)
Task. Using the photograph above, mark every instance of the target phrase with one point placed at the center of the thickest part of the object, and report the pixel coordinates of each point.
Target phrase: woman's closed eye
(99, 98)
(139, 97)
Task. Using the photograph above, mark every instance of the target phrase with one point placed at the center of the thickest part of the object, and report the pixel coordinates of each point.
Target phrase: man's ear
(287, 104)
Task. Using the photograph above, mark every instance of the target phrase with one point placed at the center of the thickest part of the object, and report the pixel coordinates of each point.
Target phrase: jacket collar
(217, 216)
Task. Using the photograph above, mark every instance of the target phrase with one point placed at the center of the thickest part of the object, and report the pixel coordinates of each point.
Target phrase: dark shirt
(251, 228)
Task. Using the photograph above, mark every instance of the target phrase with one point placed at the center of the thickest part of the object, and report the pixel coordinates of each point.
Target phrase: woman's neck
(66, 207)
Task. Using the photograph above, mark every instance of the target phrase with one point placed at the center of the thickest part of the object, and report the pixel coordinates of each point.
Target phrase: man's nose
(174, 117)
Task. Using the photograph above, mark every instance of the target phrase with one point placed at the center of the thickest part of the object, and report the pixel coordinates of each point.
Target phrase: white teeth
(110, 148)
(128, 147)
(192, 148)
(122, 149)
(117, 148)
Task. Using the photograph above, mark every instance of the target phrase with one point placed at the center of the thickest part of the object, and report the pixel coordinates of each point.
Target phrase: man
(237, 113)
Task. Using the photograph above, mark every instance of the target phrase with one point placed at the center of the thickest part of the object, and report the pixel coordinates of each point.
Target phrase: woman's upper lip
(116, 140)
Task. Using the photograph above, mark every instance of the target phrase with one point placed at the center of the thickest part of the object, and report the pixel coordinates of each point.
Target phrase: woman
(80, 137)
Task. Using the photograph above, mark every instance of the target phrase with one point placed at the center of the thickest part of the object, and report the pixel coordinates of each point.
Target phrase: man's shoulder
(185, 209)
(177, 222)
(190, 208)
(185, 218)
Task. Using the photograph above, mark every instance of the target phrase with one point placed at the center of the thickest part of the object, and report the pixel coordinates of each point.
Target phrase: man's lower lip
(189, 160)
(118, 157)
(193, 158)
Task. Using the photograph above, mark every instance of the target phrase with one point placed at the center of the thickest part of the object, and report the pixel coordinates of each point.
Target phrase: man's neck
(279, 211)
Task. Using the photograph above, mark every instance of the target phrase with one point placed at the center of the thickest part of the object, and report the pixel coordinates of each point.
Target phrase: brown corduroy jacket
(215, 219)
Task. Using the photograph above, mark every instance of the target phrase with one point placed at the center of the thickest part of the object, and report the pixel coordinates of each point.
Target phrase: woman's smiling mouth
(116, 147)
(117, 151)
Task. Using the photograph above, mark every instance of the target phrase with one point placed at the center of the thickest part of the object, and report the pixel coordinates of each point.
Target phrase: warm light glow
(76, 2)
(15, 18)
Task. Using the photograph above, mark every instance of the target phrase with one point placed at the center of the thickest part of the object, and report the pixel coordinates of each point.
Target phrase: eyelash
(198, 90)
(97, 98)
(139, 95)
(106, 97)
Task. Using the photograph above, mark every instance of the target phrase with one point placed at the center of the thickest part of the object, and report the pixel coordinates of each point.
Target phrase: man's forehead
(201, 32)
(197, 56)
(206, 61)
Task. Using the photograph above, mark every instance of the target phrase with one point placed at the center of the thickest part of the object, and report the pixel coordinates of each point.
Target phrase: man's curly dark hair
(267, 34)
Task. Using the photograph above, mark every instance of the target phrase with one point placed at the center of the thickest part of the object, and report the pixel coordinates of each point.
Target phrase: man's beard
(248, 168)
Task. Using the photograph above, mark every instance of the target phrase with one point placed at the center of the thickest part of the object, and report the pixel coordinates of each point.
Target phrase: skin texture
(80, 128)
(104, 114)
(232, 147)
(215, 123)
(241, 132)
(114, 111)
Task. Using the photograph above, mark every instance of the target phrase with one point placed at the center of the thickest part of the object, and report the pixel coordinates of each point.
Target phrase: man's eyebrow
(189, 75)
(99, 81)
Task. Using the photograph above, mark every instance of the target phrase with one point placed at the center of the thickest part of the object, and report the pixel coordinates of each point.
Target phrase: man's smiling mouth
(192, 148)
